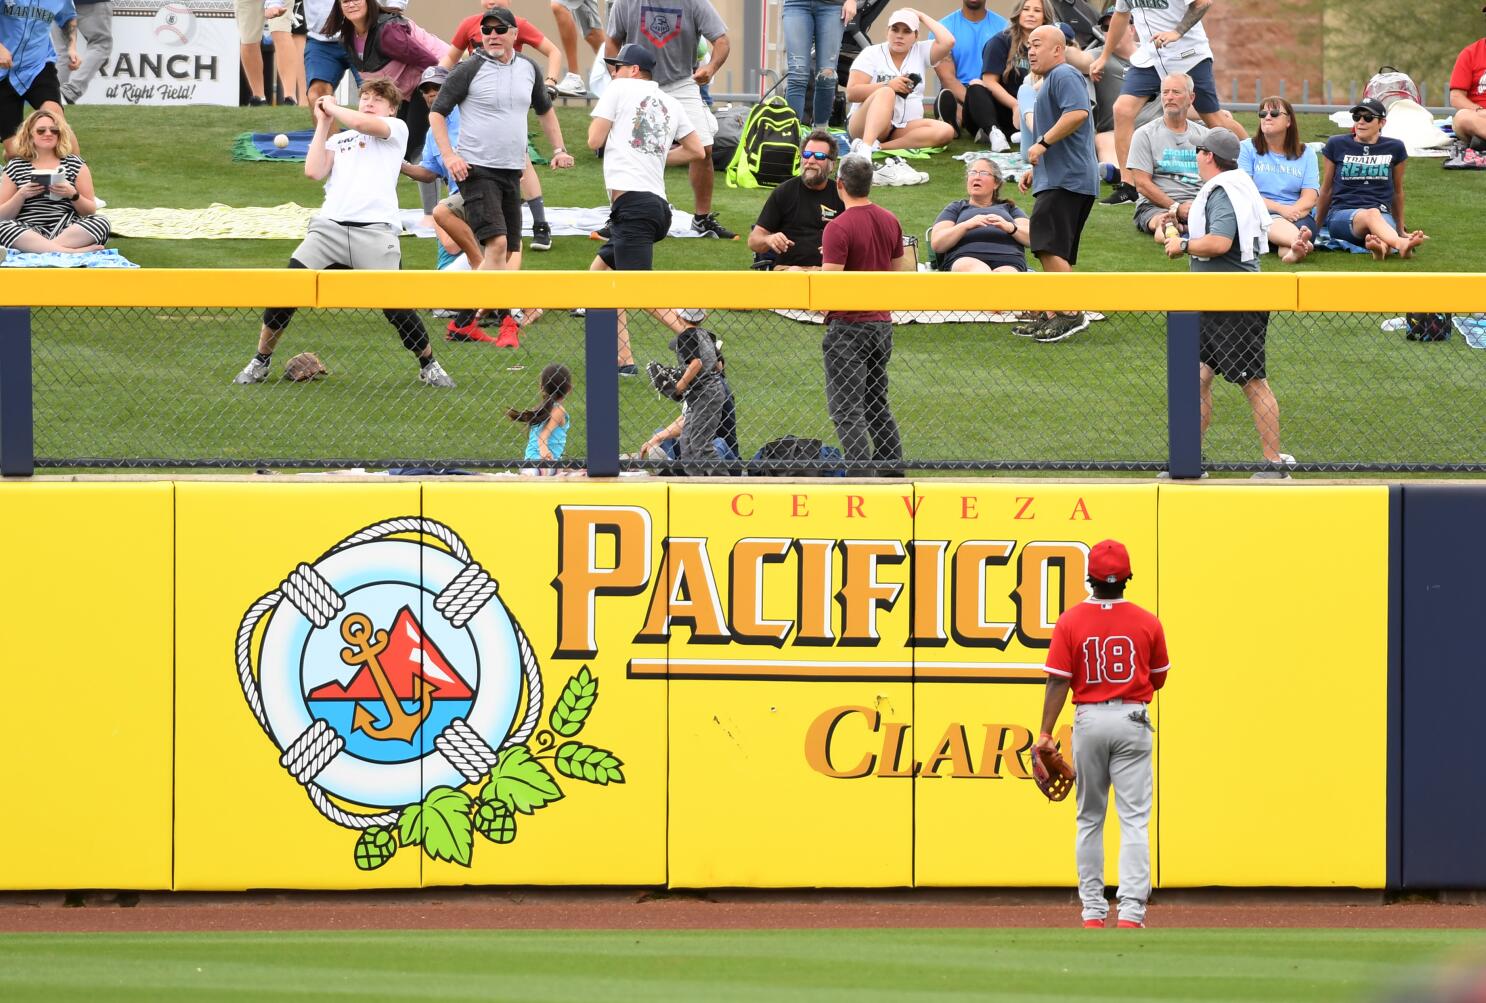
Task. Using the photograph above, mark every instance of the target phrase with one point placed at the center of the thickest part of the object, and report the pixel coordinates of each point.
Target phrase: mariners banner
(181, 52)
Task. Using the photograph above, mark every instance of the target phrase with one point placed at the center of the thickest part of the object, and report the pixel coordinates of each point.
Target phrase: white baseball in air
(175, 24)
(281, 141)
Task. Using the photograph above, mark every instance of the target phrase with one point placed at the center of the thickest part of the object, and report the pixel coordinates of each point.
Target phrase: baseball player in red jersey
(1112, 654)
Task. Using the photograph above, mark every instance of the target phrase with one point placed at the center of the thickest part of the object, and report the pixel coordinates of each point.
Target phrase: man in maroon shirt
(859, 343)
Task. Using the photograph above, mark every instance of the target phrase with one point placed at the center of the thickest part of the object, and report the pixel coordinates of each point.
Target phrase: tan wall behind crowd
(442, 16)
(1274, 40)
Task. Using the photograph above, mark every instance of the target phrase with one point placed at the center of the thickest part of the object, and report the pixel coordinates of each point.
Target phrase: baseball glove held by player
(664, 379)
(1051, 773)
(304, 367)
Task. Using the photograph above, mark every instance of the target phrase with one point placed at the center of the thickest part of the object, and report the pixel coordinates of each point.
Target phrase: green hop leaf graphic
(520, 782)
(495, 821)
(585, 762)
(441, 824)
(575, 704)
(374, 847)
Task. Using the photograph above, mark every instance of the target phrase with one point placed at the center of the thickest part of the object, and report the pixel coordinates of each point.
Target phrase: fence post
(1183, 396)
(601, 377)
(17, 439)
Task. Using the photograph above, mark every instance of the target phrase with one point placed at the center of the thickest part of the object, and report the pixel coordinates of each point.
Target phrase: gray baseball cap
(1220, 142)
(435, 75)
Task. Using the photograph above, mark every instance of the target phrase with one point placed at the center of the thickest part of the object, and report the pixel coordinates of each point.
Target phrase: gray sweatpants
(95, 27)
(705, 402)
(1112, 747)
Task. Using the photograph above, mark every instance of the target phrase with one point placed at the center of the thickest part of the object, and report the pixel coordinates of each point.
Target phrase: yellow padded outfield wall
(85, 716)
(695, 684)
(1272, 749)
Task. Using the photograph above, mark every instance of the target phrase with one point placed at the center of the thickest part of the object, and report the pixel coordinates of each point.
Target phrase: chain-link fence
(129, 387)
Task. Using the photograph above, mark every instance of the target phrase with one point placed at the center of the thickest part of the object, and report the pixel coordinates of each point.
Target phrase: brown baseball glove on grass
(304, 367)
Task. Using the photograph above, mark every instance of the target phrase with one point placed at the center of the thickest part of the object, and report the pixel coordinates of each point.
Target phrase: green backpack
(769, 147)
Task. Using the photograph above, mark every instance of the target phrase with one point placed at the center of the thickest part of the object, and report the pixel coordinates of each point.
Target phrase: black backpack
(793, 456)
(768, 151)
(1428, 326)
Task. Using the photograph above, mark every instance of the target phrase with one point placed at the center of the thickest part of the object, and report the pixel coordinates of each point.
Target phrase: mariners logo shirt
(1364, 171)
(26, 31)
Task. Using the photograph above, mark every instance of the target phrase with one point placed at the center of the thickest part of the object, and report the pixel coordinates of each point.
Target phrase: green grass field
(1217, 966)
(149, 157)
(156, 383)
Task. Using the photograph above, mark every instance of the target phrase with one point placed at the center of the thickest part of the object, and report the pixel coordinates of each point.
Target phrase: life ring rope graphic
(315, 597)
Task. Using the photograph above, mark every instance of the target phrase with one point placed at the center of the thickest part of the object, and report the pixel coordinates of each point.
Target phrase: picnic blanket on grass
(106, 258)
(216, 222)
(252, 146)
(290, 221)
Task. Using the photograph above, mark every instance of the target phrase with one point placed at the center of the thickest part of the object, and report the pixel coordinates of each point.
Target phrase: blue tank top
(556, 442)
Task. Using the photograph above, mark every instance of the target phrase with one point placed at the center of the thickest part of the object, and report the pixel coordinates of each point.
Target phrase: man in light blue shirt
(28, 60)
(972, 26)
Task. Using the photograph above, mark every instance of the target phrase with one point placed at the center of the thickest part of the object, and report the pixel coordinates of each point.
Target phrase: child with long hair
(548, 421)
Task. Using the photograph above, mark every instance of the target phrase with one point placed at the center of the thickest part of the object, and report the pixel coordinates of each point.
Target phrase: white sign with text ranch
(169, 53)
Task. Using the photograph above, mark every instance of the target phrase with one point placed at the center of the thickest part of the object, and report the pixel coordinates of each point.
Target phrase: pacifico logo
(405, 698)
(977, 593)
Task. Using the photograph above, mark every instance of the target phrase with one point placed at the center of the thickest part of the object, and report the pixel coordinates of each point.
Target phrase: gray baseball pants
(1112, 747)
(705, 402)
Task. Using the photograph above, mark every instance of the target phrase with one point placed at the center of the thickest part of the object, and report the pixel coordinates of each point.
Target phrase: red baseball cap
(1109, 561)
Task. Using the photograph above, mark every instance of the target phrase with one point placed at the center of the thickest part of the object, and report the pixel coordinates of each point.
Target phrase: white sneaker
(999, 143)
(894, 173)
(253, 372)
(433, 374)
(572, 86)
(1282, 474)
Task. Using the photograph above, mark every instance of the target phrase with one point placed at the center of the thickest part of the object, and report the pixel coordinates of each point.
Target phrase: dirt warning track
(638, 909)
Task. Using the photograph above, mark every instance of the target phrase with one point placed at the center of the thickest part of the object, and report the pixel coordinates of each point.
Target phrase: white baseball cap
(903, 16)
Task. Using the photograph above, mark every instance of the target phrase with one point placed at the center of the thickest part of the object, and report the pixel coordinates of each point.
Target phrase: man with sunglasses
(1361, 201)
(788, 232)
(1468, 94)
(493, 89)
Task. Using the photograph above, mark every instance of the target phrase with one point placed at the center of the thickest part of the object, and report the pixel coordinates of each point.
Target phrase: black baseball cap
(1372, 105)
(501, 16)
(633, 54)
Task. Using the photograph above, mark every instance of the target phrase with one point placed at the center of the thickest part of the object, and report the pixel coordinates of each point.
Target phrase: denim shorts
(326, 61)
(1145, 81)
(1339, 223)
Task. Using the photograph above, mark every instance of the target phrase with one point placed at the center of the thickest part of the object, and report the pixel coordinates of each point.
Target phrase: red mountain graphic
(412, 663)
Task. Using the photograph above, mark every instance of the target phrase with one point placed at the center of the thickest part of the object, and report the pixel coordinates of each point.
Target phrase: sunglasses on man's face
(1271, 113)
(812, 155)
(494, 29)
(1364, 116)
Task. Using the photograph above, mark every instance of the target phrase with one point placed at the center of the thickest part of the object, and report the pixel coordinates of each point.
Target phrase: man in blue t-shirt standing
(1362, 186)
(972, 26)
(28, 61)
(1064, 177)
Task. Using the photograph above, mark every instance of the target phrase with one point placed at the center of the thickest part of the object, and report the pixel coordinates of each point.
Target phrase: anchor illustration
(366, 649)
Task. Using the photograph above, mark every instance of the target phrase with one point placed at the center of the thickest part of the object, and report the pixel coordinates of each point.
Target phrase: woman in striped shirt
(57, 217)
